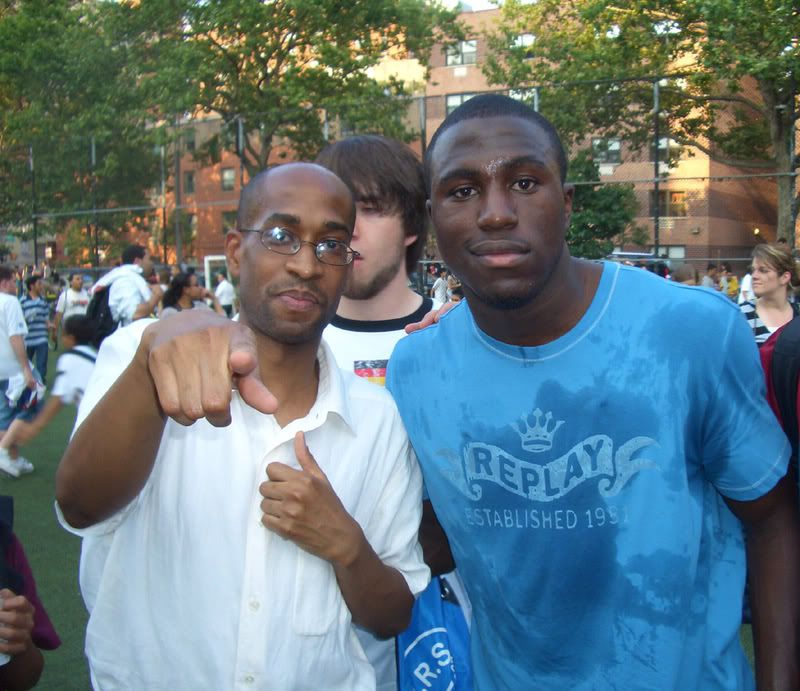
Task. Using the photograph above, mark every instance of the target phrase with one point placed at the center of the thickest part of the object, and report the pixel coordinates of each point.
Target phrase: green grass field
(53, 554)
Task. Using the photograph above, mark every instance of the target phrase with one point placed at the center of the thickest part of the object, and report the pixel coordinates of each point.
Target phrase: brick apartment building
(701, 216)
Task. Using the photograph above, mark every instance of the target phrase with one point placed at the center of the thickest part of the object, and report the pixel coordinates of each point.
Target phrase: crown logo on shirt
(537, 431)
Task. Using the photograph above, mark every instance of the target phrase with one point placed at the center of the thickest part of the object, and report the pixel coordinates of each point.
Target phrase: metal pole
(240, 137)
(33, 207)
(423, 125)
(536, 99)
(792, 155)
(164, 200)
(656, 171)
(93, 162)
(178, 239)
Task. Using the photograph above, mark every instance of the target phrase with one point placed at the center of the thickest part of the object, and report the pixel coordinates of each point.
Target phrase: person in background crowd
(73, 370)
(775, 278)
(711, 278)
(273, 523)
(14, 364)
(439, 289)
(594, 456)
(163, 279)
(185, 293)
(37, 317)
(226, 293)
(746, 288)
(131, 297)
(73, 301)
(730, 287)
(391, 228)
(686, 274)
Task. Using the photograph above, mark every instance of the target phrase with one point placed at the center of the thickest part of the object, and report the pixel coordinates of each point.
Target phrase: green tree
(67, 87)
(600, 213)
(714, 50)
(288, 70)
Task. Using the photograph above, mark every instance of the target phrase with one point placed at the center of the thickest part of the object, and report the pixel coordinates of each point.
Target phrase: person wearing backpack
(72, 374)
(130, 297)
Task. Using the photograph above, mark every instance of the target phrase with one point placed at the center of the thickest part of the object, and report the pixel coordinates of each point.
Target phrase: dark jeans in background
(38, 355)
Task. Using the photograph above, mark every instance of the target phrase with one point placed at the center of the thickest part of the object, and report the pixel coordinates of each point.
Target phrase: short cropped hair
(31, 280)
(133, 252)
(385, 173)
(80, 327)
(493, 106)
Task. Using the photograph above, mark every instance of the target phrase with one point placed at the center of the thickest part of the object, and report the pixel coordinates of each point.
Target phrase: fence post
(656, 190)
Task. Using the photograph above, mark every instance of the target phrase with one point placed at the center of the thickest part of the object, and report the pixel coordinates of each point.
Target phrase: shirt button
(249, 679)
(254, 605)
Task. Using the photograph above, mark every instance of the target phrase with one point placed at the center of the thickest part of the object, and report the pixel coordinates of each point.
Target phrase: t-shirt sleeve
(126, 295)
(393, 528)
(745, 452)
(14, 318)
(115, 354)
(61, 305)
(66, 386)
(44, 635)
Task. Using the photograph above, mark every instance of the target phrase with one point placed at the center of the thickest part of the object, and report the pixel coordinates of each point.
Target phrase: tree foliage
(123, 72)
(730, 69)
(600, 213)
(289, 69)
(65, 81)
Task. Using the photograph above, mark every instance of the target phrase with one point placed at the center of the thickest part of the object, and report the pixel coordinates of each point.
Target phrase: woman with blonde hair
(775, 277)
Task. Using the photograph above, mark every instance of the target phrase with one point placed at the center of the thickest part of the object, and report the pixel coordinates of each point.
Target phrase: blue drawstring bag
(433, 652)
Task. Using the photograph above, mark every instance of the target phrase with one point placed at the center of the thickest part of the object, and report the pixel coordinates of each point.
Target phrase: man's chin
(362, 291)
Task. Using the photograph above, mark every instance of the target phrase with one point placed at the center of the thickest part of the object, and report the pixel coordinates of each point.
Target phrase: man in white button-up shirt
(232, 537)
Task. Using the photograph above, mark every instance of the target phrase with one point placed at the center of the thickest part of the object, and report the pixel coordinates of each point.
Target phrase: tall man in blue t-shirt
(591, 454)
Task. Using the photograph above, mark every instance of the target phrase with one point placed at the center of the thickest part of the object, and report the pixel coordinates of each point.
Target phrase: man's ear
(233, 250)
(569, 193)
(410, 240)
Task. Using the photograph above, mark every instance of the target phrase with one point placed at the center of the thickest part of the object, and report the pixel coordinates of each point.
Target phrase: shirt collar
(332, 391)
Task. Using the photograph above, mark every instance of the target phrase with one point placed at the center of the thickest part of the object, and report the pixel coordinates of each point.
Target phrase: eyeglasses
(282, 241)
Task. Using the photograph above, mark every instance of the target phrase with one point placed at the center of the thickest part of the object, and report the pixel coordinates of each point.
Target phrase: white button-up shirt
(186, 588)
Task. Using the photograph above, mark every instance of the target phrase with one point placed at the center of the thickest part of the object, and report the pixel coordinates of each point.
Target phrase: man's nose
(498, 209)
(305, 263)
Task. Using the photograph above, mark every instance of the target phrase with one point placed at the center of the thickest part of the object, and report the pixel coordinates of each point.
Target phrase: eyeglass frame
(351, 253)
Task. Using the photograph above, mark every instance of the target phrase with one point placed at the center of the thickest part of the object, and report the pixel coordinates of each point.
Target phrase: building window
(188, 182)
(673, 251)
(453, 101)
(462, 53)
(668, 150)
(228, 179)
(228, 221)
(606, 150)
(524, 42)
(670, 203)
(188, 139)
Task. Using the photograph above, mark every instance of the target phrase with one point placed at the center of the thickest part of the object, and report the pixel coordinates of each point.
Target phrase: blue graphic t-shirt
(580, 483)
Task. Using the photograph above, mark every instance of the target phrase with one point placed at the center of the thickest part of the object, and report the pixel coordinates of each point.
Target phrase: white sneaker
(8, 466)
(23, 465)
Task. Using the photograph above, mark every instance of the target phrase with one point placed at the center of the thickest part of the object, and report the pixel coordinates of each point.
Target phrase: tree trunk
(781, 128)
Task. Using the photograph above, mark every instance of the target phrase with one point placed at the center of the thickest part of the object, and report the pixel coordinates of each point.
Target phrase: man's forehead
(298, 189)
(498, 137)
